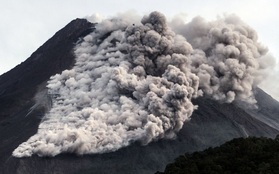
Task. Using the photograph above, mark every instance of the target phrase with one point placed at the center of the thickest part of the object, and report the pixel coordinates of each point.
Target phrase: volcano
(212, 124)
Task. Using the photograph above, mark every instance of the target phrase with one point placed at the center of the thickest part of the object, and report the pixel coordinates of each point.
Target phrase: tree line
(242, 155)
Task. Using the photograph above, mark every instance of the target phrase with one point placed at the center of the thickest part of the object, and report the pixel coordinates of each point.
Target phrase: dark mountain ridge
(211, 125)
(19, 84)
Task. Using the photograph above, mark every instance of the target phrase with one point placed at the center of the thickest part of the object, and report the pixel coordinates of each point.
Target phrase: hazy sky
(27, 24)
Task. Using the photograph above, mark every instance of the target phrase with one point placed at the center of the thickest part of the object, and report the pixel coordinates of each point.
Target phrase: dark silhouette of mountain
(211, 125)
(19, 85)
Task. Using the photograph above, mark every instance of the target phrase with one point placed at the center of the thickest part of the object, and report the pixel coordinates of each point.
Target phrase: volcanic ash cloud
(130, 83)
(227, 57)
(134, 81)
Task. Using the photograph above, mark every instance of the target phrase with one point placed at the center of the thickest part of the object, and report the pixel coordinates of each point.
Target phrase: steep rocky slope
(19, 85)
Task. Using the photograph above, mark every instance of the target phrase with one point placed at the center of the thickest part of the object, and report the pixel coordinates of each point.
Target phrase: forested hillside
(250, 155)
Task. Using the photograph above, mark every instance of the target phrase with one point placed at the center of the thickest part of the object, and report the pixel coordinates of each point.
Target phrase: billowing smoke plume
(227, 57)
(130, 83)
(135, 81)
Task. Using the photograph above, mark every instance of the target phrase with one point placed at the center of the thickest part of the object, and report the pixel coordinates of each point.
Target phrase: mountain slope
(211, 125)
(19, 86)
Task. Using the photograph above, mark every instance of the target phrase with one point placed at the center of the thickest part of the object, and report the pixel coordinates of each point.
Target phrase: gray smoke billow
(227, 57)
(134, 81)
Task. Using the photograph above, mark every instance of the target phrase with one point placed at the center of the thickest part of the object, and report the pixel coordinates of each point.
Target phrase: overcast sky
(27, 24)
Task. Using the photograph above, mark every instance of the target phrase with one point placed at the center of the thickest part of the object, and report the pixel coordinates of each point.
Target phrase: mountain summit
(142, 72)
